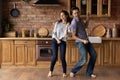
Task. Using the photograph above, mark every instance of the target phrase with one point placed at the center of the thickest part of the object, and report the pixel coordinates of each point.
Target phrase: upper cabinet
(97, 8)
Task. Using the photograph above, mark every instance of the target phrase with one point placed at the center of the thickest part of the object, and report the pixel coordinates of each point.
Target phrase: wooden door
(7, 52)
(98, 48)
(19, 54)
(30, 54)
(116, 53)
(72, 53)
(107, 52)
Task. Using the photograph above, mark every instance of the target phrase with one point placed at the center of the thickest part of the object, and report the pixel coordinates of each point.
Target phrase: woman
(59, 40)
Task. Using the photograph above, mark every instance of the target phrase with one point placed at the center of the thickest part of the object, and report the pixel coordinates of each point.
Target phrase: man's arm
(87, 19)
(77, 38)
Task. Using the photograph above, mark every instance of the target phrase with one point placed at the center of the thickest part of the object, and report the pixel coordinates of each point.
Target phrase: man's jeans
(83, 50)
(55, 46)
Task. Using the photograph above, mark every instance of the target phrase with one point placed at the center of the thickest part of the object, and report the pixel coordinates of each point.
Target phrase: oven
(43, 50)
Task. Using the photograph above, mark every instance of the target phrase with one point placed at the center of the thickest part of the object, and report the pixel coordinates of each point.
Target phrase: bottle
(23, 32)
(114, 32)
(108, 33)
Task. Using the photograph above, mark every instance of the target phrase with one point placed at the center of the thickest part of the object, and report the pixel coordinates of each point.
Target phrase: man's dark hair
(74, 8)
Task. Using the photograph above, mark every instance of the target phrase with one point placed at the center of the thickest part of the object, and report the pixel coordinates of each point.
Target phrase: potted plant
(7, 25)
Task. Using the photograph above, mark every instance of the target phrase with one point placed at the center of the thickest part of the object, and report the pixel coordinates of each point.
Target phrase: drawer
(24, 42)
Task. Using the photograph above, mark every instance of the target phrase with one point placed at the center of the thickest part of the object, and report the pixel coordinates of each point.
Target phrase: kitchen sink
(93, 39)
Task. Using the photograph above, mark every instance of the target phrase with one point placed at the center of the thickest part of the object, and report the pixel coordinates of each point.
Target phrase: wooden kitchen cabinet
(116, 52)
(7, 52)
(97, 8)
(107, 56)
(24, 52)
(0, 52)
(98, 49)
(72, 54)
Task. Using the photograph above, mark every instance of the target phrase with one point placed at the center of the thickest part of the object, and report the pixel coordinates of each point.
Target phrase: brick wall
(44, 16)
(32, 16)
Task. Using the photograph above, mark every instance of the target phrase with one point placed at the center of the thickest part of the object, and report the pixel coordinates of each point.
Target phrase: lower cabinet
(98, 49)
(107, 52)
(73, 55)
(7, 52)
(116, 53)
(24, 52)
(0, 53)
(19, 51)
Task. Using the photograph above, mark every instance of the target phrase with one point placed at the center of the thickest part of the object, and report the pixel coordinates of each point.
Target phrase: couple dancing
(59, 36)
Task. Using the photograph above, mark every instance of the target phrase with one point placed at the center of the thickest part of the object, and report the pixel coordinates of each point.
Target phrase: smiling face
(63, 16)
(76, 13)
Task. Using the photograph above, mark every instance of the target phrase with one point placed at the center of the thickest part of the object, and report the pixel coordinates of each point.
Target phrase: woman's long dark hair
(67, 15)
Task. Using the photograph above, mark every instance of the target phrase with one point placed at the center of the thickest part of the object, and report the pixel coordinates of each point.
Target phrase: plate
(99, 31)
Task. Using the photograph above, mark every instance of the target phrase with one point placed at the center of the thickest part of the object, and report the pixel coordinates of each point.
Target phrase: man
(84, 46)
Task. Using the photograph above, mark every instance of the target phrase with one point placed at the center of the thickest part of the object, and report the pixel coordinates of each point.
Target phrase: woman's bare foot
(64, 75)
(50, 74)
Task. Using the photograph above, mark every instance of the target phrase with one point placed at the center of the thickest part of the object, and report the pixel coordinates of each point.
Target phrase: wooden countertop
(36, 38)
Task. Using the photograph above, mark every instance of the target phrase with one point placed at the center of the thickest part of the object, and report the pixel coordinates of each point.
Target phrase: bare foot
(50, 74)
(72, 74)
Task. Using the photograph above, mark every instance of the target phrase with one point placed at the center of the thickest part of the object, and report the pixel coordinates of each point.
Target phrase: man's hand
(85, 41)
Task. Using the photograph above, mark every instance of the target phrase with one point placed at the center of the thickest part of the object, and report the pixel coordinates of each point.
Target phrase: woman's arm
(54, 35)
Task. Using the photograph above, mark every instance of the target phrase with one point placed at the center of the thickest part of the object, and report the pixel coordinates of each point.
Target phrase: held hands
(67, 25)
(66, 31)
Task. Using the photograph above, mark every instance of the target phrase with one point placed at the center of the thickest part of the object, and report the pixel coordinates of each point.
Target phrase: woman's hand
(67, 25)
(58, 41)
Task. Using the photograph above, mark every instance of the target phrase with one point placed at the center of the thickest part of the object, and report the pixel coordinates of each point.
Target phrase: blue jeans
(55, 46)
(84, 49)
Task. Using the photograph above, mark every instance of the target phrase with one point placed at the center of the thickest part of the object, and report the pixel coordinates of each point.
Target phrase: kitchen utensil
(43, 32)
(99, 31)
(14, 12)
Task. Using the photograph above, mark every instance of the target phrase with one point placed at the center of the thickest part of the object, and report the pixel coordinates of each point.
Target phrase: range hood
(47, 2)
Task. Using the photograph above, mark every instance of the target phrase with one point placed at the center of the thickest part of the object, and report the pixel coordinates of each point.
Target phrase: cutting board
(99, 31)
(43, 32)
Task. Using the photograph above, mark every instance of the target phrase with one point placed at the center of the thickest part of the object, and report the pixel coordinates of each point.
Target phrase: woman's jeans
(55, 46)
(84, 49)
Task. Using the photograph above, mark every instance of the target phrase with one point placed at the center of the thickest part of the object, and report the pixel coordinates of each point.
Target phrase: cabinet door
(0, 52)
(7, 52)
(30, 54)
(116, 53)
(19, 54)
(105, 7)
(107, 52)
(99, 53)
(97, 8)
(72, 53)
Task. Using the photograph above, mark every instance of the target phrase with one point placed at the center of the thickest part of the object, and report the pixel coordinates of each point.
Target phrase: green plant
(7, 25)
